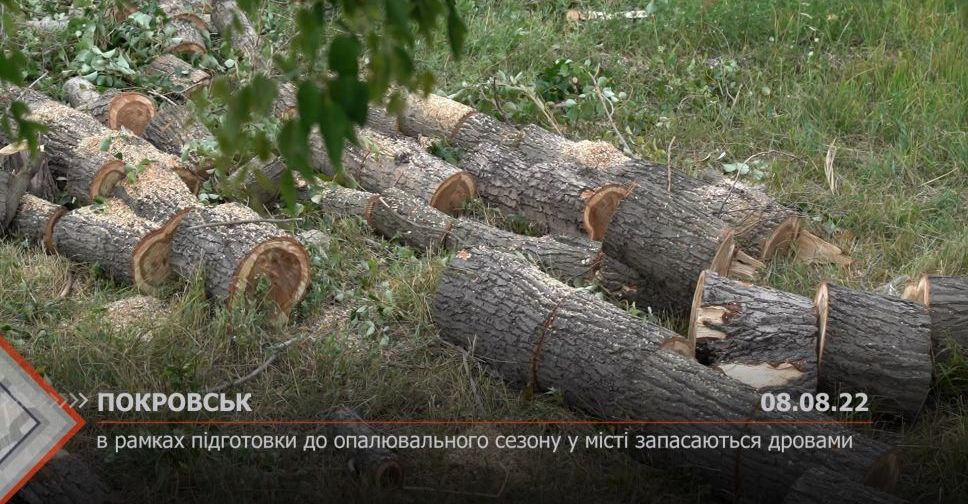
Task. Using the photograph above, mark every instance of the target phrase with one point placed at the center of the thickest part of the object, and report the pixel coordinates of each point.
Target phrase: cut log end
(151, 257)
(781, 238)
(813, 249)
(106, 179)
(47, 241)
(820, 304)
(131, 110)
(454, 192)
(284, 263)
(198, 22)
(389, 475)
(723, 260)
(187, 48)
(600, 207)
(764, 374)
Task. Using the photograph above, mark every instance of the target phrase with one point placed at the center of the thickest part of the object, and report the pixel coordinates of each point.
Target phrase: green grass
(704, 83)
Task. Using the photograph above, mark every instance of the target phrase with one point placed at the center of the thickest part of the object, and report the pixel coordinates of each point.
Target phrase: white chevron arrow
(83, 401)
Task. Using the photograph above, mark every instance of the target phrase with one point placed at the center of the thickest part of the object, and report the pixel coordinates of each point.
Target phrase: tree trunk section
(947, 300)
(35, 219)
(16, 172)
(231, 22)
(65, 479)
(174, 128)
(557, 199)
(401, 215)
(541, 334)
(383, 161)
(114, 109)
(763, 227)
(128, 248)
(763, 337)
(820, 486)
(186, 38)
(235, 253)
(177, 75)
(669, 243)
(198, 12)
(377, 468)
(72, 135)
(875, 344)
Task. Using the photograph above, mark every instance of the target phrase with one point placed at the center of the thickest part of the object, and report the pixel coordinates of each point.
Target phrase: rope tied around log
(539, 344)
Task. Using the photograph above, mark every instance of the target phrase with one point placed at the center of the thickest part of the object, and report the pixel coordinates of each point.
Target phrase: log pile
(763, 227)
(540, 334)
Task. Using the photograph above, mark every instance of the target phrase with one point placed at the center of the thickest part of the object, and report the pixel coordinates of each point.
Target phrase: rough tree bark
(230, 243)
(376, 468)
(180, 76)
(875, 344)
(399, 214)
(820, 486)
(128, 248)
(541, 334)
(669, 242)
(174, 128)
(35, 219)
(65, 479)
(229, 20)
(16, 162)
(198, 12)
(114, 109)
(79, 148)
(385, 161)
(763, 227)
(763, 337)
(187, 37)
(559, 200)
(946, 298)
(16, 170)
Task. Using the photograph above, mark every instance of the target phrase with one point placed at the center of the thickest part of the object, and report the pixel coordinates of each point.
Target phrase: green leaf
(456, 30)
(344, 55)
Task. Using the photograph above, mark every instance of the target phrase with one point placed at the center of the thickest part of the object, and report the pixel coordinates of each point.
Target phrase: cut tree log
(236, 250)
(763, 227)
(874, 344)
(763, 337)
(401, 215)
(946, 298)
(186, 37)
(127, 247)
(16, 162)
(198, 12)
(541, 334)
(71, 136)
(65, 479)
(669, 243)
(174, 128)
(376, 468)
(385, 161)
(820, 486)
(230, 243)
(35, 219)
(178, 75)
(230, 21)
(16, 171)
(99, 163)
(558, 200)
(114, 109)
